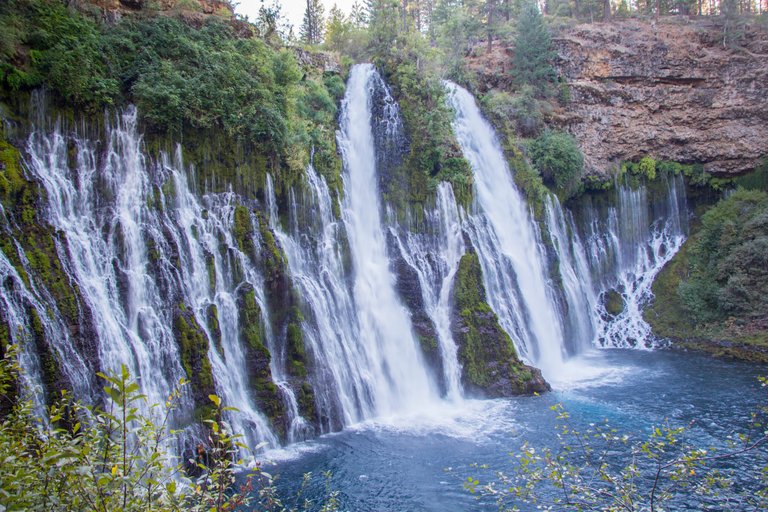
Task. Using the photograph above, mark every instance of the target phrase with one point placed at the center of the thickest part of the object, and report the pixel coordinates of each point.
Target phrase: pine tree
(314, 20)
(533, 52)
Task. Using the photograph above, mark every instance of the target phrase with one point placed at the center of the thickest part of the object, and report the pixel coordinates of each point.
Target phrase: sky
(293, 10)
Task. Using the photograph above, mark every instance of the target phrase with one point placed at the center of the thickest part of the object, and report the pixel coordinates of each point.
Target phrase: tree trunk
(490, 25)
(405, 15)
(606, 10)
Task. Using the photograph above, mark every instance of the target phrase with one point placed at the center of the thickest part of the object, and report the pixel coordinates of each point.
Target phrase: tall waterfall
(435, 257)
(368, 361)
(136, 251)
(507, 241)
(398, 376)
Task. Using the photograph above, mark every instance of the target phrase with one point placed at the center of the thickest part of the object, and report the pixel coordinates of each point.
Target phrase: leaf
(215, 399)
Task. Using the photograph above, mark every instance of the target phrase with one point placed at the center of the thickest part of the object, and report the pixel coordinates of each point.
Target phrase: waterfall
(627, 246)
(137, 252)
(507, 241)
(397, 374)
(314, 250)
(367, 362)
(575, 277)
(100, 210)
(212, 269)
(435, 257)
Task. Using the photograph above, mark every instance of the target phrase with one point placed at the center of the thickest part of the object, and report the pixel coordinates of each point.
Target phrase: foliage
(729, 261)
(527, 112)
(270, 108)
(533, 52)
(601, 469)
(64, 52)
(312, 27)
(557, 157)
(116, 458)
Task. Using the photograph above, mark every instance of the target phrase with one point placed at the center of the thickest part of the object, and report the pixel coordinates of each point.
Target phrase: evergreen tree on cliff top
(533, 52)
(312, 27)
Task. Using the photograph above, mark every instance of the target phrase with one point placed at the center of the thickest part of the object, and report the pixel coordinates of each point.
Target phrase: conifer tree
(314, 21)
(533, 52)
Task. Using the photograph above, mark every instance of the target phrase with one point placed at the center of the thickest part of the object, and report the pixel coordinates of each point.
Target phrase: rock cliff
(670, 89)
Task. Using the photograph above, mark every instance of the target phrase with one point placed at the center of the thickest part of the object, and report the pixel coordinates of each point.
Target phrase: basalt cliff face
(670, 89)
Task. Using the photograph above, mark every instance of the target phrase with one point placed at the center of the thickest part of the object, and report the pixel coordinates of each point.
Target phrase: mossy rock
(613, 302)
(490, 364)
(193, 348)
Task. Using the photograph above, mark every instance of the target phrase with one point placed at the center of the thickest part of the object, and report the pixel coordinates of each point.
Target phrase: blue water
(420, 462)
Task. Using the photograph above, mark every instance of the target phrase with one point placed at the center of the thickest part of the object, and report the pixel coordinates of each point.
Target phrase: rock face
(490, 365)
(670, 90)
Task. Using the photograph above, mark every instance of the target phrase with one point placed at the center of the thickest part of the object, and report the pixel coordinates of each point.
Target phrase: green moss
(242, 230)
(614, 302)
(193, 347)
(212, 320)
(50, 370)
(252, 328)
(483, 344)
(210, 265)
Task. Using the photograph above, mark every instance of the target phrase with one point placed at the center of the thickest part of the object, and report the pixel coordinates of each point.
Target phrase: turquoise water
(420, 462)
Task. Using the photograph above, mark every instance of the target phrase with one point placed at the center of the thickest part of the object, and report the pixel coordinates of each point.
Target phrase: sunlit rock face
(669, 89)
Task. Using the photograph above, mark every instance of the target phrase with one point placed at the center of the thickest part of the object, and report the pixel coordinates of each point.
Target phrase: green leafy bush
(729, 261)
(558, 158)
(114, 457)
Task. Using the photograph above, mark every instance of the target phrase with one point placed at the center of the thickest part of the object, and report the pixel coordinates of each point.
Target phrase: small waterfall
(575, 276)
(101, 210)
(298, 427)
(211, 270)
(435, 257)
(627, 246)
(507, 242)
(314, 250)
(17, 299)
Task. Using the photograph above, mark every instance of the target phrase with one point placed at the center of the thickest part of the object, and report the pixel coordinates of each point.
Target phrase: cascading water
(627, 245)
(398, 375)
(100, 210)
(209, 263)
(314, 250)
(137, 251)
(368, 362)
(507, 242)
(575, 276)
(435, 257)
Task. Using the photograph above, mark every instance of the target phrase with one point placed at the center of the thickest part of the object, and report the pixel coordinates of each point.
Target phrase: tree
(314, 21)
(358, 15)
(533, 52)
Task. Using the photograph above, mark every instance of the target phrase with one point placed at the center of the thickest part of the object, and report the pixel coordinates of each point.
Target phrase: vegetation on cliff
(711, 295)
(268, 118)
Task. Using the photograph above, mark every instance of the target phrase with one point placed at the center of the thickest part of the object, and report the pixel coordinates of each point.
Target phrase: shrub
(729, 260)
(557, 157)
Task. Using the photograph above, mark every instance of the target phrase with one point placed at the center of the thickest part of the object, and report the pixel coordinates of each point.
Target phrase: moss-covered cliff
(490, 365)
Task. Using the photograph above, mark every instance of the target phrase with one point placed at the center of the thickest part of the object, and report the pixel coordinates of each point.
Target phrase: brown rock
(670, 90)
